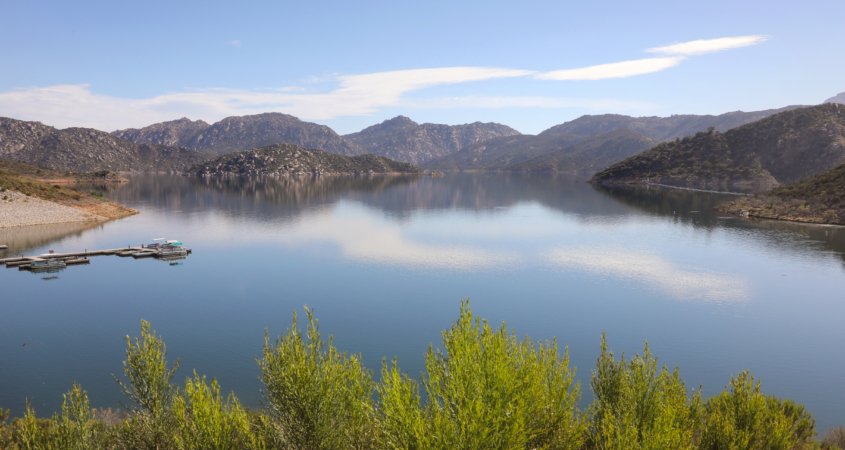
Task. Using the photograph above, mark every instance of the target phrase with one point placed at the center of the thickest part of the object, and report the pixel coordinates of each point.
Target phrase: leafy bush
(318, 397)
(484, 389)
(638, 406)
(149, 386)
(487, 390)
(743, 417)
(205, 421)
(74, 429)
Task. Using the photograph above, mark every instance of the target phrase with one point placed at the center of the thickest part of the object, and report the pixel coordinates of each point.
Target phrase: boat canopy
(174, 242)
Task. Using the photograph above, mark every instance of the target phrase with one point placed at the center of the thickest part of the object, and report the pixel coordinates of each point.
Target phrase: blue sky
(529, 64)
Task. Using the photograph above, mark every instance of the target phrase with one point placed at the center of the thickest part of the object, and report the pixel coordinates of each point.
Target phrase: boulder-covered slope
(86, 149)
(402, 139)
(838, 98)
(176, 133)
(776, 150)
(588, 156)
(239, 133)
(562, 147)
(289, 159)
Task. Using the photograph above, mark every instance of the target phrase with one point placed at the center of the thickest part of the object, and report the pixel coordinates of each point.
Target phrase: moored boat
(47, 265)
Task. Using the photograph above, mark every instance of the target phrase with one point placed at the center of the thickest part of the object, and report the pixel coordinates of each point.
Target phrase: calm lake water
(386, 262)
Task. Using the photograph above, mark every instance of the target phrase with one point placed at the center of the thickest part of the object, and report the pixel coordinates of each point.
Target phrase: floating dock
(83, 257)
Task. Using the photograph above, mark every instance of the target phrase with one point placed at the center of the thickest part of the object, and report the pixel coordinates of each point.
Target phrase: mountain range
(402, 139)
(238, 133)
(589, 143)
(580, 147)
(86, 149)
(779, 149)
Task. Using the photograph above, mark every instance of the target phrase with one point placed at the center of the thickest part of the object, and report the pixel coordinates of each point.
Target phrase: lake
(385, 262)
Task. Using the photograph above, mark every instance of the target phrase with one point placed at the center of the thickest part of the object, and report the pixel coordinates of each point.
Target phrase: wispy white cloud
(674, 55)
(702, 46)
(235, 42)
(680, 283)
(613, 70)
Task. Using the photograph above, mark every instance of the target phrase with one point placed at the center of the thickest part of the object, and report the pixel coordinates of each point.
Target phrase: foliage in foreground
(485, 389)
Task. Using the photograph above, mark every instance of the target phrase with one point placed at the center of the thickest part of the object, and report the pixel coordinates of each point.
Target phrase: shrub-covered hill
(817, 199)
(779, 149)
(289, 159)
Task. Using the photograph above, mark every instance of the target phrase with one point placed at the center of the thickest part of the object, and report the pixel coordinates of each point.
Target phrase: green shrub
(744, 418)
(205, 422)
(74, 429)
(487, 390)
(148, 385)
(637, 406)
(318, 397)
(32, 434)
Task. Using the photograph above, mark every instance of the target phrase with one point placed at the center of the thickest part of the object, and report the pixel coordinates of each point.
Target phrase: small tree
(206, 422)
(319, 397)
(637, 406)
(743, 417)
(75, 428)
(402, 422)
(29, 434)
(487, 390)
(148, 385)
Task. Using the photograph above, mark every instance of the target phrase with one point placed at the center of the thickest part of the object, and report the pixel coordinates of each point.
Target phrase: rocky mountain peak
(838, 98)
(402, 139)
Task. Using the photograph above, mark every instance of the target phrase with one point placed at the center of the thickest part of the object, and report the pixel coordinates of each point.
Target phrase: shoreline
(683, 188)
(774, 208)
(749, 206)
(20, 210)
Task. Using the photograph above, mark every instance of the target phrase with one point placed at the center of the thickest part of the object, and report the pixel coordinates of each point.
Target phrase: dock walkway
(24, 262)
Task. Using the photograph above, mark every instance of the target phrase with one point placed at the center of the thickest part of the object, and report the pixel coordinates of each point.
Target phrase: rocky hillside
(289, 159)
(85, 149)
(238, 133)
(780, 149)
(562, 147)
(817, 199)
(177, 133)
(588, 156)
(839, 98)
(403, 139)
